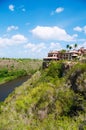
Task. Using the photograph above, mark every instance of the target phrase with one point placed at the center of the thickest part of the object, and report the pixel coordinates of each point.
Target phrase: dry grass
(20, 63)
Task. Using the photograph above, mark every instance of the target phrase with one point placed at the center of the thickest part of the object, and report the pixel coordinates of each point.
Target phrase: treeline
(5, 72)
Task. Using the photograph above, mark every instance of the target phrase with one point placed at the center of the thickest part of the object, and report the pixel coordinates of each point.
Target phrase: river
(7, 88)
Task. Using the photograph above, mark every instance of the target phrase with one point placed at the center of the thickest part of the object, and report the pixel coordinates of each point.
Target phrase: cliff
(49, 100)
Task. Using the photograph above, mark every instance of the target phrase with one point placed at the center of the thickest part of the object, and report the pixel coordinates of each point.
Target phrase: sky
(32, 28)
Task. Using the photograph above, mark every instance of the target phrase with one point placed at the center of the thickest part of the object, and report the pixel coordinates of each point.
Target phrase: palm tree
(70, 47)
(67, 46)
(75, 45)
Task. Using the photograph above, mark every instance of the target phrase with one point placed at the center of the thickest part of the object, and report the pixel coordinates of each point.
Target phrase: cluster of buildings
(65, 55)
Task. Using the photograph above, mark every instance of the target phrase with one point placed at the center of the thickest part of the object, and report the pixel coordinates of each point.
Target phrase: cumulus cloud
(19, 38)
(10, 28)
(59, 10)
(75, 36)
(35, 47)
(51, 33)
(80, 29)
(11, 7)
(55, 46)
(14, 40)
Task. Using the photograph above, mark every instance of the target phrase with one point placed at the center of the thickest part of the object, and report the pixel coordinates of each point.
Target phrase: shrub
(55, 69)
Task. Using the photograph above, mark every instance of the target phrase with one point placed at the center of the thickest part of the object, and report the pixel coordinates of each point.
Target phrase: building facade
(67, 55)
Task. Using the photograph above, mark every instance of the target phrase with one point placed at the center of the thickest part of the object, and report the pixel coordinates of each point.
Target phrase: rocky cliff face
(78, 81)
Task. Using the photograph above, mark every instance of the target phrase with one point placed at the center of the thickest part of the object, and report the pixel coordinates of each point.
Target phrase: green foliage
(6, 75)
(13, 68)
(63, 51)
(3, 72)
(66, 100)
(79, 67)
(47, 102)
(55, 69)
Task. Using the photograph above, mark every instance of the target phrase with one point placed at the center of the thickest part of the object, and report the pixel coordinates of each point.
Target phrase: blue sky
(32, 28)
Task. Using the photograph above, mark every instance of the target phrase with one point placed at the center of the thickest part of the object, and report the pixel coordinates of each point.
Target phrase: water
(7, 88)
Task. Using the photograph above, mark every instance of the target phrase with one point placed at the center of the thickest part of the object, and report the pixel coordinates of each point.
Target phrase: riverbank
(8, 75)
(11, 69)
(8, 87)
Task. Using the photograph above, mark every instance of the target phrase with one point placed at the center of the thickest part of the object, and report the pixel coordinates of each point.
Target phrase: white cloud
(10, 28)
(82, 40)
(82, 45)
(11, 7)
(84, 29)
(52, 33)
(14, 40)
(55, 46)
(59, 10)
(35, 47)
(19, 38)
(80, 29)
(75, 36)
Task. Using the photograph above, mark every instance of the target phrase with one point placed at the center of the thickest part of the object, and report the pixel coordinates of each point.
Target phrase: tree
(62, 51)
(70, 47)
(67, 46)
(75, 45)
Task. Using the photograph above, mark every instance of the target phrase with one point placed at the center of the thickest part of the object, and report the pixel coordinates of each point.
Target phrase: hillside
(53, 99)
(14, 68)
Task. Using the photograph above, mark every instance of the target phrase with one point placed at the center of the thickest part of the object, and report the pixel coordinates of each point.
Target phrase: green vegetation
(51, 100)
(14, 68)
(70, 47)
(6, 75)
